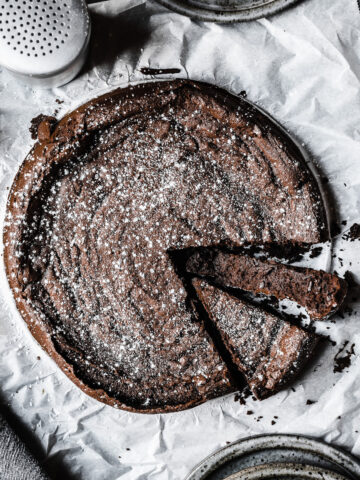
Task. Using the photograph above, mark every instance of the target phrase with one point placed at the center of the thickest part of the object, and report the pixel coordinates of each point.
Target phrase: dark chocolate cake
(102, 199)
(319, 292)
(267, 350)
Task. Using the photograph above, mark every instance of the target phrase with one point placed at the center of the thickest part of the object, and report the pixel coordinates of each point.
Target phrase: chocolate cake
(319, 292)
(102, 200)
(267, 350)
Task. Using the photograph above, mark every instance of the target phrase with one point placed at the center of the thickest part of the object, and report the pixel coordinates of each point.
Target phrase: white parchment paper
(303, 66)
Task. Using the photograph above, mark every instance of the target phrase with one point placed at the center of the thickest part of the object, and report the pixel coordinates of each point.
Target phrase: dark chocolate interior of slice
(321, 293)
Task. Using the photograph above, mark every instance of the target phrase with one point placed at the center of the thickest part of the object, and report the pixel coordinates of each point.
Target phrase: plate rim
(227, 16)
(349, 463)
(305, 471)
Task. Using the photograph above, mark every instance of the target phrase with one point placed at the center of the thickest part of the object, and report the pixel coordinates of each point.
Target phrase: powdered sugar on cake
(121, 182)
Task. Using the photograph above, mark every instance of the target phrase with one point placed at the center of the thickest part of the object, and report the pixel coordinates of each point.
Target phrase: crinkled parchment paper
(303, 66)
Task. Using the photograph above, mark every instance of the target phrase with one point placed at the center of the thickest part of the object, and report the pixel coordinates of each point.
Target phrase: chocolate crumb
(249, 412)
(353, 233)
(41, 127)
(315, 252)
(342, 362)
(158, 71)
(242, 396)
(310, 402)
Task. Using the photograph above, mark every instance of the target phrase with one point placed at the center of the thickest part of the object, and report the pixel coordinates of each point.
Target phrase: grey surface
(16, 461)
(265, 449)
(226, 11)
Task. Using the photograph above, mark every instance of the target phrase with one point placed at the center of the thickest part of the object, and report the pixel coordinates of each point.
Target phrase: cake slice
(320, 293)
(266, 349)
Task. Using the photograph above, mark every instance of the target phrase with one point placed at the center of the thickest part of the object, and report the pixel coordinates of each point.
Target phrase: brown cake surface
(321, 293)
(267, 350)
(101, 200)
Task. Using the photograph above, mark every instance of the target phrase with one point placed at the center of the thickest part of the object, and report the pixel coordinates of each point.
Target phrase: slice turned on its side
(319, 292)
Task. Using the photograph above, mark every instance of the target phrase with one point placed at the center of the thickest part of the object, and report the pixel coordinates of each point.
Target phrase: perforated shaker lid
(42, 37)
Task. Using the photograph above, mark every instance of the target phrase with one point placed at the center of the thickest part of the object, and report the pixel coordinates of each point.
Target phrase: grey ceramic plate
(262, 450)
(286, 471)
(227, 10)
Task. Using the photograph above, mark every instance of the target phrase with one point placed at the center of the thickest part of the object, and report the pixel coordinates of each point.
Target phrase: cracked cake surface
(102, 199)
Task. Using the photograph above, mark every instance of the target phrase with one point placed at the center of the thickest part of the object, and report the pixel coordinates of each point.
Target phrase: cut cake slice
(320, 293)
(268, 351)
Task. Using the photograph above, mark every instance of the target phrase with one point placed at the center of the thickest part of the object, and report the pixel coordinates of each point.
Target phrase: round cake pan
(286, 471)
(268, 449)
(227, 11)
